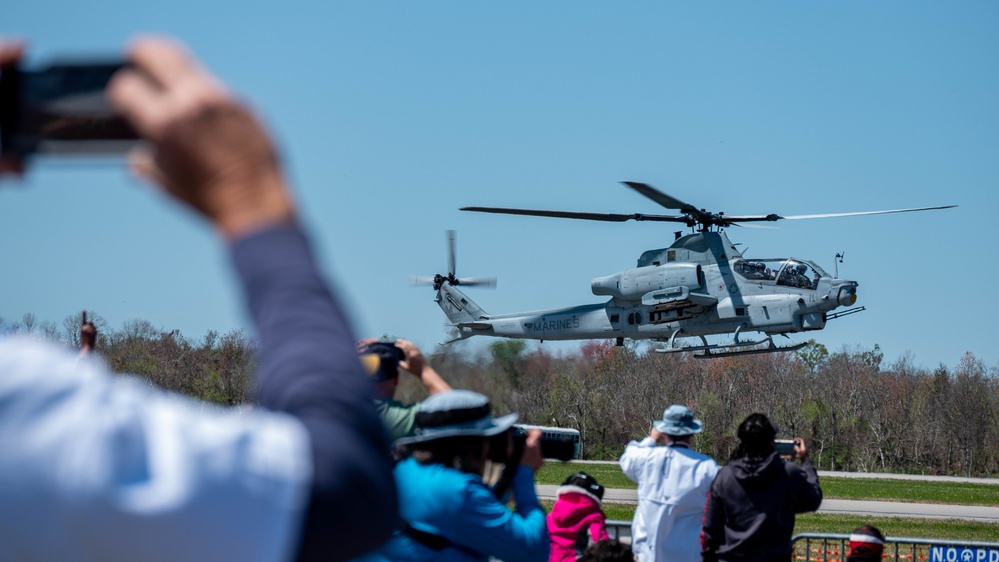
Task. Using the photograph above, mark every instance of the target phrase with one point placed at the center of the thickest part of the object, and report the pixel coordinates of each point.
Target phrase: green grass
(910, 491)
(913, 491)
(899, 526)
(613, 511)
(609, 475)
(838, 523)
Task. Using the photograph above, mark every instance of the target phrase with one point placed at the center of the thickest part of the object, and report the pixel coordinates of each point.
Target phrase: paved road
(869, 508)
(898, 509)
(923, 477)
(876, 475)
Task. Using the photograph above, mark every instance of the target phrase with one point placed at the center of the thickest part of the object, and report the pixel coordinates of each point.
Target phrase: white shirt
(96, 466)
(673, 484)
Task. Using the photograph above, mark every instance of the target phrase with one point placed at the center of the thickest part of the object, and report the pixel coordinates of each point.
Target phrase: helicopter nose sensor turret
(848, 295)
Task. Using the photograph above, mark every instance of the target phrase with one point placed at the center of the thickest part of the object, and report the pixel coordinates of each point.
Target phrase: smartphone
(785, 447)
(61, 109)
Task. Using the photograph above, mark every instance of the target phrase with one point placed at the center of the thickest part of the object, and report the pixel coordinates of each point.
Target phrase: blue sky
(392, 115)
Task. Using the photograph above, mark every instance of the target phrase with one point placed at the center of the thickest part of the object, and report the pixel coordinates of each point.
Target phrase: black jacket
(749, 515)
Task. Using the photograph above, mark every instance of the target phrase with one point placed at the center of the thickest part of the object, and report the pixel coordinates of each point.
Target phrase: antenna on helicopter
(839, 260)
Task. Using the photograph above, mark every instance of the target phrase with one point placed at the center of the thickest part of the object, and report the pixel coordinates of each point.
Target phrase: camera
(381, 360)
(558, 447)
(61, 109)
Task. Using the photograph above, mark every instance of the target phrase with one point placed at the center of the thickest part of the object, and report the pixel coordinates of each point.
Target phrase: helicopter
(699, 286)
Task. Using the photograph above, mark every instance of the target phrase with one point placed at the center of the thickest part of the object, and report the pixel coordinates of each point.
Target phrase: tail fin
(460, 309)
(464, 314)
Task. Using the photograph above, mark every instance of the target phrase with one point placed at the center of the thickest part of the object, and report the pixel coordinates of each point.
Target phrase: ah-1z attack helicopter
(701, 285)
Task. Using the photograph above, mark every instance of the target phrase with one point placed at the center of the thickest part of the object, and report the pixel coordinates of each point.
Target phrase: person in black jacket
(749, 513)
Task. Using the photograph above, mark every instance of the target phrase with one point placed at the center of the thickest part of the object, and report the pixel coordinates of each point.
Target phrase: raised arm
(809, 493)
(634, 456)
(488, 525)
(213, 155)
(417, 364)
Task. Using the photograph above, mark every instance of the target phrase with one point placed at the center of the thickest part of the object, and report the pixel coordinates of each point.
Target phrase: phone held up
(785, 447)
(61, 109)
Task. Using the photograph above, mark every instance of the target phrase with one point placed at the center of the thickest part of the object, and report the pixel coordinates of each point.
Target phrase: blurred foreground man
(673, 482)
(99, 467)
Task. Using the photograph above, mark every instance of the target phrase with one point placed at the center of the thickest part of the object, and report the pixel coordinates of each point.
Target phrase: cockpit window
(788, 272)
(798, 274)
(755, 269)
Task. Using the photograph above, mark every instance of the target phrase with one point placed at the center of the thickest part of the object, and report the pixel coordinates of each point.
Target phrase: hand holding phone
(60, 108)
(88, 335)
(785, 447)
(10, 55)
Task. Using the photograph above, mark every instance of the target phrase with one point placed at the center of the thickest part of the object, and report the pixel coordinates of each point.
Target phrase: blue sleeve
(487, 525)
(308, 368)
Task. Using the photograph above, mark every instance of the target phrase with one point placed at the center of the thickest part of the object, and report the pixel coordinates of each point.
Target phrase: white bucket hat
(679, 421)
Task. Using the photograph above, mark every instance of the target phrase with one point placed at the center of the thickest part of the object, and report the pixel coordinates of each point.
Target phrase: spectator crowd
(328, 465)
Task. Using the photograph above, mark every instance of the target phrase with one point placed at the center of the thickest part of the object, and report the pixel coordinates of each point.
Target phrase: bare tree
(29, 322)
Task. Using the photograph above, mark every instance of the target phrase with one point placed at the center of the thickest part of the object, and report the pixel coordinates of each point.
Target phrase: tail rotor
(438, 280)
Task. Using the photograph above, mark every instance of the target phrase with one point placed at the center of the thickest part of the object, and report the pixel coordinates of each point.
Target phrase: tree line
(216, 368)
(858, 413)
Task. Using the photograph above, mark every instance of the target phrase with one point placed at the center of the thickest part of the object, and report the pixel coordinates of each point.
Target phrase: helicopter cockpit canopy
(789, 272)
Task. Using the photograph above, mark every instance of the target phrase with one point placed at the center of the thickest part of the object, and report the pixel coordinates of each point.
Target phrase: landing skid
(737, 347)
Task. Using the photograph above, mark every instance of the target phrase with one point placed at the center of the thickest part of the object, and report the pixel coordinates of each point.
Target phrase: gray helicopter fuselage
(700, 285)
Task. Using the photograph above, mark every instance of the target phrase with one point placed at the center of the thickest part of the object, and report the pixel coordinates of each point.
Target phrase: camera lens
(559, 448)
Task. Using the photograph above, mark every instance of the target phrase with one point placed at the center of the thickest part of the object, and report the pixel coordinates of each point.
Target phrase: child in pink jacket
(576, 519)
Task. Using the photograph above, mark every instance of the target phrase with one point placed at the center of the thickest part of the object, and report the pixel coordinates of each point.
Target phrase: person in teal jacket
(447, 512)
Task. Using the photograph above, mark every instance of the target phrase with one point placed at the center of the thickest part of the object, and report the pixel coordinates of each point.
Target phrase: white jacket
(673, 483)
(95, 466)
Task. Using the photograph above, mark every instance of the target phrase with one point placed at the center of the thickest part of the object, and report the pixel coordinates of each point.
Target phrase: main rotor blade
(827, 215)
(419, 280)
(606, 217)
(748, 218)
(450, 251)
(667, 201)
